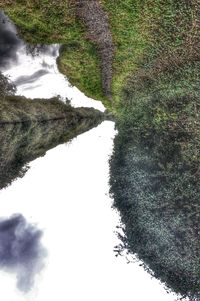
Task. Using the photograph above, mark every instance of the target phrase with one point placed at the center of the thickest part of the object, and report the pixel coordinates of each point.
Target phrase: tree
(6, 87)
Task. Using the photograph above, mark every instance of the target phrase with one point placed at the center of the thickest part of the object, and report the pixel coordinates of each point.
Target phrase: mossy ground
(129, 39)
(168, 67)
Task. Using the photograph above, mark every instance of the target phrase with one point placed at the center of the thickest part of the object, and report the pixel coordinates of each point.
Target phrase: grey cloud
(21, 251)
(9, 41)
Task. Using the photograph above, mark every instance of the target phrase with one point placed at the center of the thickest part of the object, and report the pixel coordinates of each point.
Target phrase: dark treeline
(22, 143)
(155, 185)
(18, 109)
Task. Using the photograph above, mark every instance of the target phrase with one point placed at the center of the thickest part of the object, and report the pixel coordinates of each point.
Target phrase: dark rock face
(21, 251)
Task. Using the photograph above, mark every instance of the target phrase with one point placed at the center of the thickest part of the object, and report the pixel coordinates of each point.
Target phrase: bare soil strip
(97, 25)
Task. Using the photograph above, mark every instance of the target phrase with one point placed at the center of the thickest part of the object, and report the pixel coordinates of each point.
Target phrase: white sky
(66, 194)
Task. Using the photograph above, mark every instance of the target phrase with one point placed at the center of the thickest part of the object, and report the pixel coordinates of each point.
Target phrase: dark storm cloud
(9, 41)
(21, 251)
(28, 79)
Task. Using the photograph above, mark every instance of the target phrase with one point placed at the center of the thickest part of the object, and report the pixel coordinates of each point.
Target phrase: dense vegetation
(155, 186)
(20, 109)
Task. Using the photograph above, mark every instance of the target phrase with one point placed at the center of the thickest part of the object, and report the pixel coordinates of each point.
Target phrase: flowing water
(57, 226)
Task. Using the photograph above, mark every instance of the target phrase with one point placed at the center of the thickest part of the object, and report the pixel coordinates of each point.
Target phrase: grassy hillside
(150, 38)
(48, 22)
(44, 22)
(169, 68)
(129, 30)
(155, 171)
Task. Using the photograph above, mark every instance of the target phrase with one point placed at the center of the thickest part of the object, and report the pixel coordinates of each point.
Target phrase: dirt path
(96, 22)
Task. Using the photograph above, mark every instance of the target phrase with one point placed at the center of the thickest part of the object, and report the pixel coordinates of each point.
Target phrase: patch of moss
(79, 62)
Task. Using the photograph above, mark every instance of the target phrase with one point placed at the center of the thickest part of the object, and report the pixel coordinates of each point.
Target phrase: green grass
(79, 62)
(48, 22)
(155, 187)
(151, 38)
(43, 22)
(129, 40)
(163, 64)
